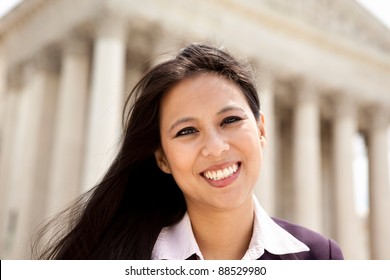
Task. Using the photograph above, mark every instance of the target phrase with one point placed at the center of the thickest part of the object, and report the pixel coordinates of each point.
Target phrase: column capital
(148, 43)
(378, 117)
(110, 22)
(19, 74)
(46, 60)
(266, 78)
(15, 77)
(343, 105)
(305, 91)
(75, 44)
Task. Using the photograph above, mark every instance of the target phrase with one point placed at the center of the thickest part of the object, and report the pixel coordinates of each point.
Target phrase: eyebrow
(230, 108)
(190, 119)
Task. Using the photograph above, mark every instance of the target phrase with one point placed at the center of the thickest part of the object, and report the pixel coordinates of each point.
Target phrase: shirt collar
(268, 235)
(177, 242)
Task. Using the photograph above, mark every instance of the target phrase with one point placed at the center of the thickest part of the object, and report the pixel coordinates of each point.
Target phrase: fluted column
(68, 144)
(379, 185)
(3, 77)
(133, 74)
(344, 129)
(106, 104)
(32, 157)
(306, 158)
(266, 187)
(11, 103)
(3, 116)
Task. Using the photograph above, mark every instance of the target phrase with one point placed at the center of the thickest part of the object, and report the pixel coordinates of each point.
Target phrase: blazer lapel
(269, 256)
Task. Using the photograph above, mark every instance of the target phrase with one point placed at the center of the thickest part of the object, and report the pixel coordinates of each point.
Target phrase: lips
(222, 175)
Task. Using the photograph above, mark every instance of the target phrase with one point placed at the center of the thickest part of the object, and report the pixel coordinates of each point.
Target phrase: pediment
(346, 19)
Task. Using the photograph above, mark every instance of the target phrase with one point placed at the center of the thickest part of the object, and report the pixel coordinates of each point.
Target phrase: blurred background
(322, 68)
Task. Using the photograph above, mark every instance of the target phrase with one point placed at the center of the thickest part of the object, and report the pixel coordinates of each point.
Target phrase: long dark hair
(121, 217)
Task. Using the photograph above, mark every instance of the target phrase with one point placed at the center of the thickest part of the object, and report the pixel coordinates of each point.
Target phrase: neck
(223, 235)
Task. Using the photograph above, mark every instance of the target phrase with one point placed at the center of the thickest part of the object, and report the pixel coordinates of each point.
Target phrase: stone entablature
(271, 37)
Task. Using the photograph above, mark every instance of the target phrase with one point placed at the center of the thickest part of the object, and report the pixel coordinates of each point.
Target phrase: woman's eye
(230, 120)
(186, 131)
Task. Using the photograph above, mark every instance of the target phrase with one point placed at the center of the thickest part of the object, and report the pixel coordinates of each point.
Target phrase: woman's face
(211, 142)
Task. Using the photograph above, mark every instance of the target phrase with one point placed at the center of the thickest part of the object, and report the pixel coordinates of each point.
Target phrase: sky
(381, 10)
(6, 5)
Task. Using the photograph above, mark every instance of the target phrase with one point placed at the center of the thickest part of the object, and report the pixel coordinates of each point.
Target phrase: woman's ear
(162, 161)
(262, 132)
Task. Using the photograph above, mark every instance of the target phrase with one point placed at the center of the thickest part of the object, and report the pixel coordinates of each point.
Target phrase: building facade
(323, 71)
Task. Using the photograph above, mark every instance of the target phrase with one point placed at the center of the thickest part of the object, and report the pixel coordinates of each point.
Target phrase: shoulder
(321, 248)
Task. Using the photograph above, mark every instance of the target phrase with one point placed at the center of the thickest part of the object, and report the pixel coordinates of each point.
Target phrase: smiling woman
(181, 186)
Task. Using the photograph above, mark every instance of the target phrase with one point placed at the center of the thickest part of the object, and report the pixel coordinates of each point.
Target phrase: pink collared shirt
(178, 242)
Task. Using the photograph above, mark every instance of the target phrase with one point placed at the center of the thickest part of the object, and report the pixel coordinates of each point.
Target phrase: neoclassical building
(323, 71)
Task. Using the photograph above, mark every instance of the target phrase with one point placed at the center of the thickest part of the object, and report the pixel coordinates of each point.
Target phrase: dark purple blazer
(321, 248)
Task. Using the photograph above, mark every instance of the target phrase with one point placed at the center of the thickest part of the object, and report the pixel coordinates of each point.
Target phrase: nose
(214, 145)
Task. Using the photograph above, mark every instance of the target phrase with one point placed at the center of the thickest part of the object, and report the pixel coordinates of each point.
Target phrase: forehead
(202, 91)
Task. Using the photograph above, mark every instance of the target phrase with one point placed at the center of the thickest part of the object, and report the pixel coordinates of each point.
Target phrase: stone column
(266, 187)
(3, 116)
(68, 144)
(344, 128)
(306, 158)
(3, 77)
(379, 185)
(133, 75)
(32, 157)
(106, 104)
(11, 103)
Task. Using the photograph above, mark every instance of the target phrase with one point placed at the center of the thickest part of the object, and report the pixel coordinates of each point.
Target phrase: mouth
(222, 175)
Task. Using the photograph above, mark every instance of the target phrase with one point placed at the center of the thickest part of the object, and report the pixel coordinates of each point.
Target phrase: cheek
(252, 147)
(180, 160)
(248, 138)
(181, 164)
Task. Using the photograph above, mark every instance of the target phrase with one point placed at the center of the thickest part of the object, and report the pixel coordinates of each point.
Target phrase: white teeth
(225, 172)
(221, 174)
